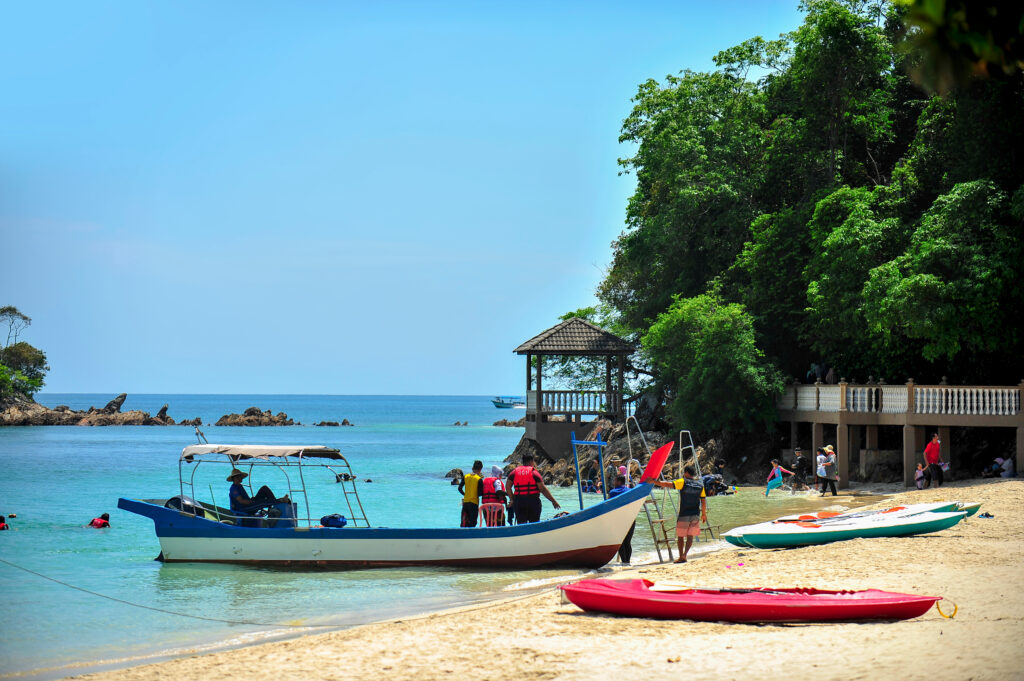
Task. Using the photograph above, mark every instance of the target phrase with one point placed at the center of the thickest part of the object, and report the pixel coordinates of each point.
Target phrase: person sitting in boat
(493, 492)
(526, 485)
(243, 504)
(101, 522)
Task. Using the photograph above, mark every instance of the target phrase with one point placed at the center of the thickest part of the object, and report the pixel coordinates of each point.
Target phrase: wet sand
(977, 565)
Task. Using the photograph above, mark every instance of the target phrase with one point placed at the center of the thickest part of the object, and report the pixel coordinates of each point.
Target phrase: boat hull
(586, 539)
(634, 598)
(785, 535)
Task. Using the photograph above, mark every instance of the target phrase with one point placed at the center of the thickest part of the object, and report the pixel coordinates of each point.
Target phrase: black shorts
(527, 508)
(469, 511)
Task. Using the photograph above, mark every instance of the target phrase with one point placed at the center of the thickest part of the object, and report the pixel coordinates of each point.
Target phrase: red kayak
(634, 598)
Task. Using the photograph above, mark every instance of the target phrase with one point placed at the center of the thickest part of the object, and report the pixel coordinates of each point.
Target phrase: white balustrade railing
(894, 399)
(862, 398)
(967, 400)
(787, 399)
(573, 401)
(828, 398)
(807, 398)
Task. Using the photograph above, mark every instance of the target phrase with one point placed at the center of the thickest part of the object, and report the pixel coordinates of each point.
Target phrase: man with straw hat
(242, 503)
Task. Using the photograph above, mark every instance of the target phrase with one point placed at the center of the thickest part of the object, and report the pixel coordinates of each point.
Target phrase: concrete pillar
(855, 449)
(1020, 451)
(843, 454)
(913, 446)
(871, 437)
(817, 438)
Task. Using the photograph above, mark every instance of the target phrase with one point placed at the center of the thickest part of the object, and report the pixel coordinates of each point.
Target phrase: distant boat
(509, 403)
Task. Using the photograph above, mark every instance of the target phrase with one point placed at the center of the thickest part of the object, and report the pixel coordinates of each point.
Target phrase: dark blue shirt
(236, 491)
(616, 491)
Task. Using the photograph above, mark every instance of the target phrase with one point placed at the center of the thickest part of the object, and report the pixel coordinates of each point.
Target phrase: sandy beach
(977, 565)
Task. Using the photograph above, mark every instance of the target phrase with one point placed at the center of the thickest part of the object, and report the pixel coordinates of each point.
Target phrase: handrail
(962, 400)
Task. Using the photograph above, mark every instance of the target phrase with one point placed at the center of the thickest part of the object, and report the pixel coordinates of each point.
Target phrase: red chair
(492, 515)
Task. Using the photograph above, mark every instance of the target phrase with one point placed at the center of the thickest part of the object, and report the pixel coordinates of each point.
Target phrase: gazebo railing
(572, 402)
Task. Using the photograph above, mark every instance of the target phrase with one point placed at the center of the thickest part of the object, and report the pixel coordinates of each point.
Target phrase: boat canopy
(262, 451)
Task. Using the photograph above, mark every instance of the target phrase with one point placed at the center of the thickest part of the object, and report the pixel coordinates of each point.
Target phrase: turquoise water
(57, 478)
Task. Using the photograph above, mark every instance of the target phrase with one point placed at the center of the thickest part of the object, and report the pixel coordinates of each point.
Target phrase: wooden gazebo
(574, 337)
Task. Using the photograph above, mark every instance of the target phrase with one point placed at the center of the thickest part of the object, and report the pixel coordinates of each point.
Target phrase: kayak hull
(785, 535)
(634, 598)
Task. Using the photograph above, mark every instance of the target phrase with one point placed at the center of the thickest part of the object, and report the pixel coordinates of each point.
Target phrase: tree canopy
(22, 366)
(840, 196)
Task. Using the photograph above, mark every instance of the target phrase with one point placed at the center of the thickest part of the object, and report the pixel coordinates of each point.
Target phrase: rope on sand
(949, 616)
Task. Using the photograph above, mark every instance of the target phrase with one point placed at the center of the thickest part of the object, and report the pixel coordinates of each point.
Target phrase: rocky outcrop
(253, 416)
(521, 423)
(461, 423)
(344, 422)
(25, 412)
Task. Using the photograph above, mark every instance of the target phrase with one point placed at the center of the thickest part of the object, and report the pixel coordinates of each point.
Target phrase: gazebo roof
(575, 336)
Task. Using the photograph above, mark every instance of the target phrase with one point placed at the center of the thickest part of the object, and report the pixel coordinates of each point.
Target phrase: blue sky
(321, 197)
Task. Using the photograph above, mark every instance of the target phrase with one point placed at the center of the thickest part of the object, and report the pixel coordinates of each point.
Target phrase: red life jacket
(491, 491)
(523, 481)
(99, 522)
(3, 526)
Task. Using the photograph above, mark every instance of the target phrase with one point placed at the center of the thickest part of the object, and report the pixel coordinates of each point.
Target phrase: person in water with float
(101, 522)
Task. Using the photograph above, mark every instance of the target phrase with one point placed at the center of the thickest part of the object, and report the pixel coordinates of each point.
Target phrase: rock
(25, 412)
(114, 405)
(521, 423)
(463, 423)
(328, 423)
(253, 416)
(345, 422)
(191, 422)
(650, 412)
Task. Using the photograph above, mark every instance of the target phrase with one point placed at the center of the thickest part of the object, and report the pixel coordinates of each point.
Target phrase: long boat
(193, 531)
(641, 598)
(774, 535)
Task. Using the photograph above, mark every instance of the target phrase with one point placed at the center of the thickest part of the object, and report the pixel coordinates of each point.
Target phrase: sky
(321, 197)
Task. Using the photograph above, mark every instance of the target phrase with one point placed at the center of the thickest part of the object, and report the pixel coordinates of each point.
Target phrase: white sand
(977, 565)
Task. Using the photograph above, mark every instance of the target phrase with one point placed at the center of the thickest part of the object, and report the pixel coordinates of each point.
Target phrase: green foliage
(706, 356)
(13, 382)
(854, 219)
(964, 39)
(958, 285)
(22, 366)
(30, 361)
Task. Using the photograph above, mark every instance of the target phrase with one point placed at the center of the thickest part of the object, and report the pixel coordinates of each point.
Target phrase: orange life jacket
(524, 482)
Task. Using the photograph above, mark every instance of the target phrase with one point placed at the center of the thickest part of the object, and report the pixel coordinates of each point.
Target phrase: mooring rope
(162, 610)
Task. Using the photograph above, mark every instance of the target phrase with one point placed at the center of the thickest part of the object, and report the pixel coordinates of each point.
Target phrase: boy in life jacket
(526, 485)
(3, 524)
(101, 522)
(692, 501)
(469, 488)
(493, 492)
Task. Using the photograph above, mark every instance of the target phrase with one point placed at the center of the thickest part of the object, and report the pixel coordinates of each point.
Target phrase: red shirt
(931, 452)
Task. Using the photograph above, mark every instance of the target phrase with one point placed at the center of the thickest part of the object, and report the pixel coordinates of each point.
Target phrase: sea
(76, 599)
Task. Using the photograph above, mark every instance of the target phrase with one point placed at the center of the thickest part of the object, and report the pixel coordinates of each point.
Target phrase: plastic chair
(491, 515)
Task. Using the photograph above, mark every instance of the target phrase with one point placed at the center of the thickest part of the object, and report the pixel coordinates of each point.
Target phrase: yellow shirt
(472, 483)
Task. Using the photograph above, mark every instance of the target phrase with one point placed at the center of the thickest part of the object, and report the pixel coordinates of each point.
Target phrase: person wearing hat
(241, 502)
(827, 470)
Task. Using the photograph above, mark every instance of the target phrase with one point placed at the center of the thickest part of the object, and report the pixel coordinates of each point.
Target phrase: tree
(705, 355)
(15, 321)
(24, 358)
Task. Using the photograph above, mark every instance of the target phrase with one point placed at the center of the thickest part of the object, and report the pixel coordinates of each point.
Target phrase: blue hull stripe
(172, 523)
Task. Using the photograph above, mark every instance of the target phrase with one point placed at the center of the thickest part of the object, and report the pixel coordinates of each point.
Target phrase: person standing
(827, 470)
(526, 484)
(470, 490)
(693, 508)
(626, 548)
(933, 461)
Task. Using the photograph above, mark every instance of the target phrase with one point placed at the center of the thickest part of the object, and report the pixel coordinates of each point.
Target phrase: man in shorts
(693, 509)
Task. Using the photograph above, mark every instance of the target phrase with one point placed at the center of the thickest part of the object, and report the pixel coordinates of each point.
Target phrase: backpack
(334, 520)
